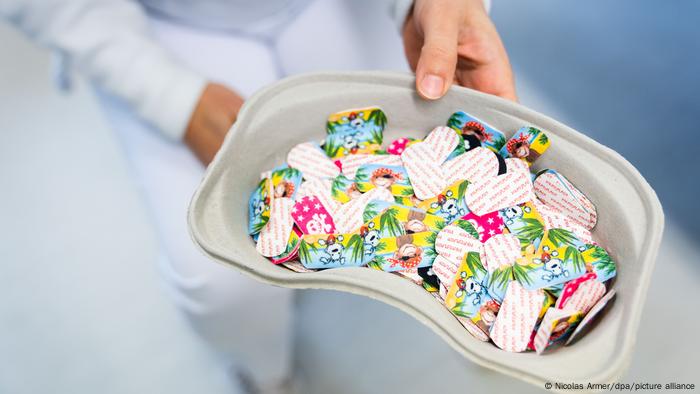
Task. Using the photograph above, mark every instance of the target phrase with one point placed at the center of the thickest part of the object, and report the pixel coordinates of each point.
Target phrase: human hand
(216, 111)
(450, 41)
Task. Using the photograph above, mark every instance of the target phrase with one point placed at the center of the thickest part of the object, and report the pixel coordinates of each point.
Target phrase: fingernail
(432, 86)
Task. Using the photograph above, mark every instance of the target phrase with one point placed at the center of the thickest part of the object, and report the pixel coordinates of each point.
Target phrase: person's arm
(454, 41)
(110, 43)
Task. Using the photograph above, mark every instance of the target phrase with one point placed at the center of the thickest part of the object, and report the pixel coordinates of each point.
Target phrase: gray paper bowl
(295, 110)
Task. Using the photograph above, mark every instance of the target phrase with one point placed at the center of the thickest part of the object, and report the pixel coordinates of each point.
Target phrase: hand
(216, 111)
(450, 41)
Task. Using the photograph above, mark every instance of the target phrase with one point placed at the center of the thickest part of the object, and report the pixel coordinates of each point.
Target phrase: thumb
(438, 57)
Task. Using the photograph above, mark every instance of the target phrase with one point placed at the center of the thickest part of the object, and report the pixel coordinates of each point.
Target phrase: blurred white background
(82, 309)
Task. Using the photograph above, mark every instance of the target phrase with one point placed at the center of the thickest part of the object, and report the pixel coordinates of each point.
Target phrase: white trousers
(225, 307)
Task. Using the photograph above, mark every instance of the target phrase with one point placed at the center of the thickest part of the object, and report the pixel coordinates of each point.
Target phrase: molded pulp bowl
(295, 110)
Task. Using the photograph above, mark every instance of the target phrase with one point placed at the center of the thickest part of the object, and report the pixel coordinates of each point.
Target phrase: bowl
(294, 110)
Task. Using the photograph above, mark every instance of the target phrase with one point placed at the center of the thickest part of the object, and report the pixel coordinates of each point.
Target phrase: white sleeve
(109, 41)
(400, 9)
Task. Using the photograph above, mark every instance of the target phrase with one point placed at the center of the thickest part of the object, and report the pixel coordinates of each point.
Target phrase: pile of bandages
(509, 252)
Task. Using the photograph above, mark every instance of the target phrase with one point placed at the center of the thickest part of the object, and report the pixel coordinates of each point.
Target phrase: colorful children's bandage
(459, 213)
(499, 192)
(423, 162)
(406, 252)
(581, 294)
(477, 164)
(275, 235)
(525, 222)
(392, 220)
(291, 251)
(285, 182)
(476, 132)
(399, 145)
(501, 252)
(354, 131)
(321, 189)
(517, 317)
(558, 260)
(591, 315)
(449, 204)
(552, 218)
(444, 269)
(528, 144)
(350, 164)
(599, 262)
(349, 216)
(557, 192)
(311, 217)
(468, 296)
(333, 251)
(453, 242)
(259, 207)
(344, 189)
(393, 178)
(556, 325)
(486, 225)
(313, 163)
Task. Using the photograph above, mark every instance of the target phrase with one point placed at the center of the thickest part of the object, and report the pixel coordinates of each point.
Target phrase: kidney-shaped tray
(295, 110)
